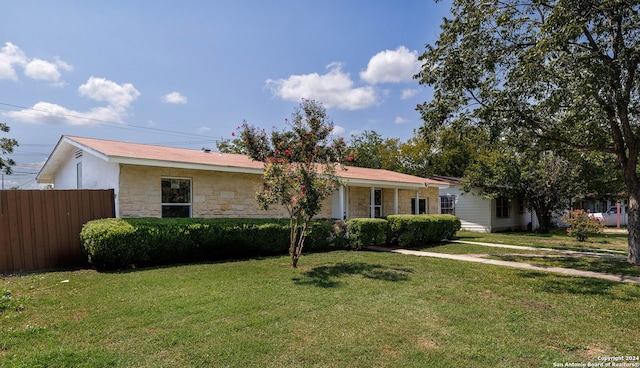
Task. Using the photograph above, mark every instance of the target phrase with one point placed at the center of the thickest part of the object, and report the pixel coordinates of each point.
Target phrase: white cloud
(203, 130)
(48, 113)
(174, 98)
(338, 130)
(408, 93)
(400, 120)
(118, 98)
(30, 166)
(43, 70)
(333, 89)
(10, 56)
(392, 66)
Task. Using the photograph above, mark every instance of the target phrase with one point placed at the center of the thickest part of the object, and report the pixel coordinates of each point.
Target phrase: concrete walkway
(526, 266)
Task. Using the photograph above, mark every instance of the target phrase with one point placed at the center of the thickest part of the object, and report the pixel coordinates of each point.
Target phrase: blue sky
(187, 73)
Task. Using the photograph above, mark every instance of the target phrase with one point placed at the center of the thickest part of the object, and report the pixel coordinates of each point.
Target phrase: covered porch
(356, 200)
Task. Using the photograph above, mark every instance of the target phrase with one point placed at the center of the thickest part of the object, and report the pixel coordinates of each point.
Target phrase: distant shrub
(367, 231)
(407, 230)
(121, 243)
(582, 224)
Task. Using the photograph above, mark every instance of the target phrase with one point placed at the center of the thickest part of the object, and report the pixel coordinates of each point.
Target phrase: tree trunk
(634, 227)
(543, 214)
(297, 242)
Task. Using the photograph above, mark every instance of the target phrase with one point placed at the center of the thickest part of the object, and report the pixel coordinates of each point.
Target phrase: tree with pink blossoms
(299, 167)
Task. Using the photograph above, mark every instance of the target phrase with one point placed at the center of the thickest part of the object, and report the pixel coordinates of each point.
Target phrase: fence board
(6, 261)
(40, 229)
(14, 229)
(39, 223)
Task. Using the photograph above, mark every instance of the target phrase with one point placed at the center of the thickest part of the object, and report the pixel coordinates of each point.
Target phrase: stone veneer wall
(214, 193)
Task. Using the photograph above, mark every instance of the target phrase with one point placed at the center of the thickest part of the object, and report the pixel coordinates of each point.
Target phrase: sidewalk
(526, 266)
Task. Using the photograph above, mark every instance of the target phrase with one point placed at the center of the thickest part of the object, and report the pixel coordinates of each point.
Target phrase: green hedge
(121, 243)
(406, 230)
(367, 231)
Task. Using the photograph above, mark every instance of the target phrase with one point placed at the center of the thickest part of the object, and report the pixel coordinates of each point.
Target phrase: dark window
(422, 203)
(448, 205)
(377, 203)
(176, 197)
(502, 207)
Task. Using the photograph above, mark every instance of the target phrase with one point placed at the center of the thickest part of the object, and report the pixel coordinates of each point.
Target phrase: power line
(113, 124)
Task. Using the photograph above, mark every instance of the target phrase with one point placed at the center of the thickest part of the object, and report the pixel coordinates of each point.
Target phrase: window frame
(377, 203)
(449, 209)
(189, 201)
(423, 203)
(503, 204)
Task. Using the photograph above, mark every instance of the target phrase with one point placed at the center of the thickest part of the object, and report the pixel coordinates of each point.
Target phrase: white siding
(96, 174)
(479, 214)
(474, 211)
(66, 178)
(517, 219)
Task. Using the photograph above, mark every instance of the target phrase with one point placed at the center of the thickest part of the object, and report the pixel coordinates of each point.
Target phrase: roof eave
(183, 165)
(392, 184)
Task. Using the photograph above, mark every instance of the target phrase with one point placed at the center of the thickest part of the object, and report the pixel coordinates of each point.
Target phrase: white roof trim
(181, 165)
(390, 184)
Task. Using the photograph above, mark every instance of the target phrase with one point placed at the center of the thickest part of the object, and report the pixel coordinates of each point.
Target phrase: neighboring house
(158, 181)
(478, 213)
(604, 210)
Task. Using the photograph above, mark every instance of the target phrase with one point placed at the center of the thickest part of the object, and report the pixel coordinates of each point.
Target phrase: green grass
(556, 239)
(616, 241)
(339, 309)
(603, 265)
(462, 248)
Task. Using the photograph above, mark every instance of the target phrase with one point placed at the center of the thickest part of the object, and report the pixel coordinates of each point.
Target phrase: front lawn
(339, 309)
(611, 239)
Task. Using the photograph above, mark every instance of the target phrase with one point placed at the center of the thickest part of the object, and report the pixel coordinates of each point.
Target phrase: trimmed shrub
(582, 224)
(108, 241)
(121, 243)
(407, 230)
(366, 231)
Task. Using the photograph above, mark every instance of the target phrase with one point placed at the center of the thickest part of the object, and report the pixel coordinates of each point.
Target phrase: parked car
(610, 218)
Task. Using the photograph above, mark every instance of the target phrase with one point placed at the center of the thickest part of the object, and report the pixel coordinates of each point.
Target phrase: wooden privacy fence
(40, 229)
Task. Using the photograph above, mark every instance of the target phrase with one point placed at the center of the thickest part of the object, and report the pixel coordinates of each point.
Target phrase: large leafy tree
(371, 150)
(563, 70)
(455, 147)
(447, 151)
(545, 180)
(299, 167)
(6, 147)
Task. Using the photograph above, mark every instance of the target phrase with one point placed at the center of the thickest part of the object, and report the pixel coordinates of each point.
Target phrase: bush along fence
(124, 243)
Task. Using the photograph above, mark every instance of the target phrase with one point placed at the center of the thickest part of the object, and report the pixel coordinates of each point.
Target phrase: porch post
(373, 201)
(417, 211)
(341, 194)
(395, 201)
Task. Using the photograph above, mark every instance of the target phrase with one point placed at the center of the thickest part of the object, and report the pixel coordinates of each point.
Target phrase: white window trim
(190, 204)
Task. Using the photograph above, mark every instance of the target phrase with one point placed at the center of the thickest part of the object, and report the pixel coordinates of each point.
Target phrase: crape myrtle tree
(6, 147)
(564, 70)
(299, 167)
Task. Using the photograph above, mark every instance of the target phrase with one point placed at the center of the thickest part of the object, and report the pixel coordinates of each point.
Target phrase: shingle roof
(153, 155)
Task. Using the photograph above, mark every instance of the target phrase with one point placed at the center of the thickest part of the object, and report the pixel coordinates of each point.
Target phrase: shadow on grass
(328, 276)
(557, 284)
(605, 263)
